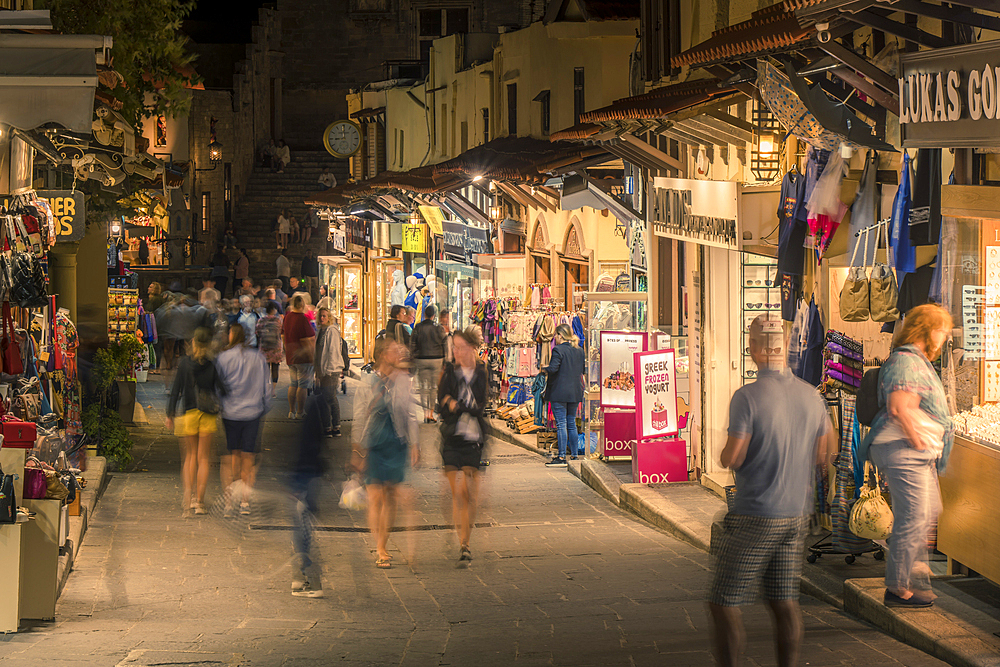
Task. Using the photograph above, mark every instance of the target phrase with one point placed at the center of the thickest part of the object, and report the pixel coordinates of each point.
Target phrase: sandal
(383, 563)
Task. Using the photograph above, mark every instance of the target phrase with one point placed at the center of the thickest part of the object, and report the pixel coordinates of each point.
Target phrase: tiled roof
(577, 132)
(658, 103)
(422, 179)
(769, 30)
(369, 113)
(518, 159)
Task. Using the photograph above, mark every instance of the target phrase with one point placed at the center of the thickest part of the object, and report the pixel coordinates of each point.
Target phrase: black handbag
(27, 281)
(8, 502)
(207, 402)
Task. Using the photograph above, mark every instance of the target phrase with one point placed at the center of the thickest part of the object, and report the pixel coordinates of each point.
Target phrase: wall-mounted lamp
(214, 147)
(415, 218)
(765, 153)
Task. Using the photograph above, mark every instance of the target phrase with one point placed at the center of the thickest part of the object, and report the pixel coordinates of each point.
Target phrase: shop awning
(579, 191)
(512, 226)
(769, 31)
(522, 159)
(48, 79)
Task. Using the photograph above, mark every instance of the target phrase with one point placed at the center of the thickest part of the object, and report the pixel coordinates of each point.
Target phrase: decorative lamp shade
(215, 151)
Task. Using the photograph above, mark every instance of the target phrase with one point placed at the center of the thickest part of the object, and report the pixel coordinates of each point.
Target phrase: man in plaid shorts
(778, 430)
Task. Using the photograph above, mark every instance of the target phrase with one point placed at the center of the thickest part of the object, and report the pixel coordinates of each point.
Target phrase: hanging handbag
(8, 501)
(9, 349)
(854, 294)
(883, 292)
(871, 517)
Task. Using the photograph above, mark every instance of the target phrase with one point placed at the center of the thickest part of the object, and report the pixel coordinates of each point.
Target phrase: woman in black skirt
(461, 401)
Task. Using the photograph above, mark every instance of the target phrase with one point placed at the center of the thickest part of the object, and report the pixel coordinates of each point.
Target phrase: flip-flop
(383, 563)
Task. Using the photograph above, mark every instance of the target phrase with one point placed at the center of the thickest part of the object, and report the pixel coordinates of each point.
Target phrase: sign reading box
(618, 350)
(655, 395)
(619, 433)
(660, 462)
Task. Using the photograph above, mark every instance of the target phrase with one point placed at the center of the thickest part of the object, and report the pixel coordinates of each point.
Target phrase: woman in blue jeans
(565, 388)
(909, 442)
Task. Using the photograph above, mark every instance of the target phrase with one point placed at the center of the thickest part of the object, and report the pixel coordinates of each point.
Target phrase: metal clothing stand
(841, 541)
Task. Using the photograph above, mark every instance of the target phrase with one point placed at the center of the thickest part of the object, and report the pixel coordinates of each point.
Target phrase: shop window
(543, 99)
(579, 100)
(486, 124)
(465, 136)
(206, 211)
(512, 109)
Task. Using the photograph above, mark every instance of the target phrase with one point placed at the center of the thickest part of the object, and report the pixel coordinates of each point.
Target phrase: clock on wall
(342, 138)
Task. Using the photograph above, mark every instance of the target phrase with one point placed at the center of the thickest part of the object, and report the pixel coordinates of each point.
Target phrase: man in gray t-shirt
(778, 431)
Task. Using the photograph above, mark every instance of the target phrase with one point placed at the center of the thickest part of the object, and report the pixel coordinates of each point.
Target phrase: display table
(40, 559)
(10, 586)
(969, 527)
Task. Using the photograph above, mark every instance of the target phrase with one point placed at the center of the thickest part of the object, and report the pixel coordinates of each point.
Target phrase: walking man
(427, 349)
(284, 269)
(310, 271)
(778, 430)
(242, 270)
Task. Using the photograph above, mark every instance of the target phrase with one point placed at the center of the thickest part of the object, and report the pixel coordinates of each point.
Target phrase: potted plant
(114, 402)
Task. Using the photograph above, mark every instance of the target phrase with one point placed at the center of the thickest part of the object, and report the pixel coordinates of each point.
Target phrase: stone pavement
(560, 577)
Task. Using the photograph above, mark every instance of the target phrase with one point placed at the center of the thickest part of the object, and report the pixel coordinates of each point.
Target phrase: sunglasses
(751, 282)
(769, 306)
(751, 374)
(765, 350)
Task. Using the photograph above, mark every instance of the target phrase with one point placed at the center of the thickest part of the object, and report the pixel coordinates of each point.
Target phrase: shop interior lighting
(766, 144)
(765, 154)
(477, 178)
(415, 218)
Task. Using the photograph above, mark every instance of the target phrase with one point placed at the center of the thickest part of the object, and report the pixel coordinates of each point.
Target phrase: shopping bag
(854, 294)
(871, 517)
(883, 291)
(353, 497)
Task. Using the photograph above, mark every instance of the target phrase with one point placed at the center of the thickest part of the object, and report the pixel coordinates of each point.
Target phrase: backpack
(867, 402)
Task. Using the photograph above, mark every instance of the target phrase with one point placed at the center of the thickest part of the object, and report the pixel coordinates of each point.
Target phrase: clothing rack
(871, 227)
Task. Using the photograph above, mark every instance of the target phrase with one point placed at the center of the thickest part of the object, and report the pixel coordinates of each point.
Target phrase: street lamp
(215, 151)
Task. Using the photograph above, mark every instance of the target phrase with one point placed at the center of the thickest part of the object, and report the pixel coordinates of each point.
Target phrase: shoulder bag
(9, 349)
(884, 293)
(854, 294)
(871, 517)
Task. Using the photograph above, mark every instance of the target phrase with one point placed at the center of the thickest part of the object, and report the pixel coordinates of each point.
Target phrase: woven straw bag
(871, 517)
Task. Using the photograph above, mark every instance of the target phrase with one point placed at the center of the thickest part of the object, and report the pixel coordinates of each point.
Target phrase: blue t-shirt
(783, 417)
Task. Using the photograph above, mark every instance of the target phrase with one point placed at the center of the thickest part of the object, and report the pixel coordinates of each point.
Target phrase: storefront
(576, 269)
(465, 275)
(343, 279)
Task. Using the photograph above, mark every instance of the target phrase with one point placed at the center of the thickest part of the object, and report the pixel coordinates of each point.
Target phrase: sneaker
(557, 462)
(336, 432)
(298, 583)
(199, 508)
(291, 415)
(245, 509)
(464, 557)
(307, 591)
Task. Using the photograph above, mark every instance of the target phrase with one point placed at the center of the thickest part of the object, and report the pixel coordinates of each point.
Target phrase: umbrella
(809, 114)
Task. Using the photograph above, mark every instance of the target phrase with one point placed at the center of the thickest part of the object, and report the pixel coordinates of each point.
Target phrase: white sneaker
(307, 590)
(291, 415)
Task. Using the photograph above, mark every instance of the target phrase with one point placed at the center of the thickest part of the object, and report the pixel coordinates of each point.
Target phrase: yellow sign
(433, 216)
(415, 238)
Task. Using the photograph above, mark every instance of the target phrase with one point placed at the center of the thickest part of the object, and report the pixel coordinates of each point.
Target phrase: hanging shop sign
(415, 238)
(948, 97)
(700, 211)
(618, 350)
(69, 211)
(359, 232)
(655, 394)
(462, 241)
(338, 237)
(434, 218)
(637, 245)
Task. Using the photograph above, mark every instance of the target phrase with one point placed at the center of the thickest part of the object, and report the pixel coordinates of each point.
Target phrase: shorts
(195, 422)
(301, 375)
(242, 436)
(469, 455)
(758, 550)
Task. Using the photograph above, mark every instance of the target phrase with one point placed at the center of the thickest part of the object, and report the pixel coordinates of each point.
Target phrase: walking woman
(197, 387)
(243, 370)
(565, 389)
(269, 342)
(329, 366)
(461, 399)
(385, 431)
(909, 442)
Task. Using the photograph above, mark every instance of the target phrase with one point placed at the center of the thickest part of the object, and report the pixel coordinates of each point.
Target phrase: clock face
(343, 138)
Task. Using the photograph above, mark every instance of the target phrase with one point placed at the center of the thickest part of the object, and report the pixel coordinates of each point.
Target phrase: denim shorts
(301, 375)
(242, 435)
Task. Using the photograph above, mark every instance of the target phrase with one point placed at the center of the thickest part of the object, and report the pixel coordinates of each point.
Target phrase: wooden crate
(545, 439)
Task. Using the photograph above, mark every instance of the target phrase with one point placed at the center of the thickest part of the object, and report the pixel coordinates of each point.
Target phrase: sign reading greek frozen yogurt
(617, 371)
(655, 394)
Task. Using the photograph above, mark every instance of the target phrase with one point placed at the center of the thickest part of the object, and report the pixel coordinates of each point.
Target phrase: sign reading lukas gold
(699, 211)
(950, 98)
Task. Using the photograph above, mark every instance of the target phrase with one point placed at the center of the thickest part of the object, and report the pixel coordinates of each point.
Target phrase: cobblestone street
(560, 577)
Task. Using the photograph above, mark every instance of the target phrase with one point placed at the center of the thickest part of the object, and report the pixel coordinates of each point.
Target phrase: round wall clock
(342, 138)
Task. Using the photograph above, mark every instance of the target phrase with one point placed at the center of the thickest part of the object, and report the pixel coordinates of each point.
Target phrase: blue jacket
(565, 370)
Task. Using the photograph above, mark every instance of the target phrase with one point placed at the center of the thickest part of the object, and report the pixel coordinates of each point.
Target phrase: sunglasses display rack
(760, 292)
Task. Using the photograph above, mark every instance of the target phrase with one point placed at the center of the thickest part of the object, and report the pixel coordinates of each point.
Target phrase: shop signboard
(339, 240)
(948, 97)
(655, 395)
(637, 245)
(619, 433)
(699, 211)
(414, 238)
(618, 350)
(434, 218)
(462, 241)
(69, 211)
(660, 461)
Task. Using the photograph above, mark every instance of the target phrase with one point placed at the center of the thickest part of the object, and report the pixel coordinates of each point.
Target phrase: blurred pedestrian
(282, 156)
(462, 399)
(243, 371)
(269, 341)
(910, 441)
(300, 347)
(385, 439)
(427, 352)
(310, 271)
(778, 431)
(327, 179)
(329, 366)
(197, 387)
(248, 320)
(283, 269)
(307, 472)
(565, 390)
(143, 252)
(220, 269)
(444, 319)
(294, 229)
(241, 270)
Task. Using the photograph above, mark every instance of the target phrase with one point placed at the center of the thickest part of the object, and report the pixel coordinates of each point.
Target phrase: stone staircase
(266, 194)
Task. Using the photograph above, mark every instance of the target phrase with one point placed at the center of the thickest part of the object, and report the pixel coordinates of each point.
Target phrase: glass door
(350, 307)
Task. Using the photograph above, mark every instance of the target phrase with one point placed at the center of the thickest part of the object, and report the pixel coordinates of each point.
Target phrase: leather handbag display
(883, 291)
(871, 517)
(35, 484)
(8, 501)
(9, 349)
(854, 305)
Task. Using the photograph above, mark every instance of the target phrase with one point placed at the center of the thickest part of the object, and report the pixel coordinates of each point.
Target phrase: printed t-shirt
(295, 327)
